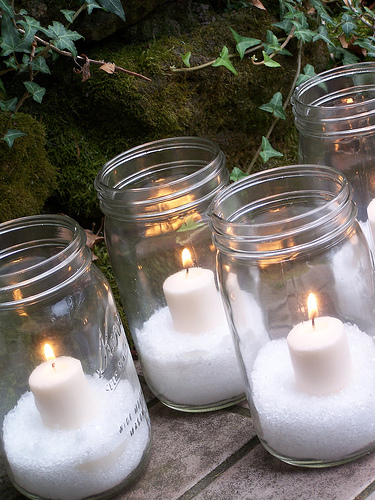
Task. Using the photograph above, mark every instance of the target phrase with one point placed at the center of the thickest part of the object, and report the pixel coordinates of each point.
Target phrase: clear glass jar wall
(154, 198)
(75, 425)
(335, 116)
(282, 235)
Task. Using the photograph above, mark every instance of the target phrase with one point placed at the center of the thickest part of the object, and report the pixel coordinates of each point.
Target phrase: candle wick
(187, 271)
(313, 321)
(53, 365)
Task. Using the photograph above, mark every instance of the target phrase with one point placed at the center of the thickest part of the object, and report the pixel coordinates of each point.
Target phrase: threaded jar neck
(160, 178)
(338, 102)
(283, 213)
(39, 255)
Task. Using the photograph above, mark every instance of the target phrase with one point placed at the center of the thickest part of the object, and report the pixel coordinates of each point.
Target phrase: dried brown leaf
(258, 4)
(356, 49)
(370, 4)
(85, 69)
(344, 43)
(109, 68)
(92, 239)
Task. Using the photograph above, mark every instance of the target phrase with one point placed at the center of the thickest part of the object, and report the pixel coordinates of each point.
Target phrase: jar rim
(330, 75)
(161, 177)
(127, 182)
(313, 227)
(38, 255)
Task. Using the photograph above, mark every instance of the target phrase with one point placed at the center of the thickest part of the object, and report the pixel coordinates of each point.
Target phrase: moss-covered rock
(27, 175)
(90, 122)
(95, 26)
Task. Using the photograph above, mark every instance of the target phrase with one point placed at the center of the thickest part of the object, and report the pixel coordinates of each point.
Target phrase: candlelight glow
(186, 258)
(48, 352)
(312, 306)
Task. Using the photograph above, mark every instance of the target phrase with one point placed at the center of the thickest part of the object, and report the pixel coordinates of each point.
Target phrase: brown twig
(65, 53)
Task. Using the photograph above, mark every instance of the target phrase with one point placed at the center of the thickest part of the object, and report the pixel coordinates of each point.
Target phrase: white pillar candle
(62, 393)
(320, 355)
(193, 300)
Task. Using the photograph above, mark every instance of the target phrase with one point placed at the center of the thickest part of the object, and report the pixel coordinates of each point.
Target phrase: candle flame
(312, 307)
(48, 352)
(186, 258)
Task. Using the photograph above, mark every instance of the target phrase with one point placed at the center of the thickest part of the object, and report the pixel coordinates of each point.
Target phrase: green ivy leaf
(308, 72)
(63, 38)
(237, 174)
(286, 25)
(9, 105)
(272, 45)
(268, 151)
(348, 24)
(320, 9)
(186, 59)
(369, 11)
(25, 62)
(91, 5)
(297, 16)
(39, 64)
(270, 63)
(11, 135)
(11, 39)
(31, 26)
(346, 56)
(302, 32)
(11, 63)
(272, 42)
(2, 86)
(35, 90)
(223, 60)
(366, 44)
(114, 6)
(6, 8)
(68, 14)
(244, 43)
(322, 34)
(275, 106)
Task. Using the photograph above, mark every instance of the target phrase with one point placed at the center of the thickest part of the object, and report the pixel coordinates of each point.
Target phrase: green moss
(79, 160)
(91, 122)
(212, 102)
(27, 175)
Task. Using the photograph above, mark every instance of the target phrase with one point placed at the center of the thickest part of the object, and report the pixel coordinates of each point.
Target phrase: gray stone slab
(260, 476)
(187, 447)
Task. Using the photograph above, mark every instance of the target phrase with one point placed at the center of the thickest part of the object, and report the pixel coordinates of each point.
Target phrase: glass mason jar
(154, 198)
(335, 116)
(74, 423)
(281, 235)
